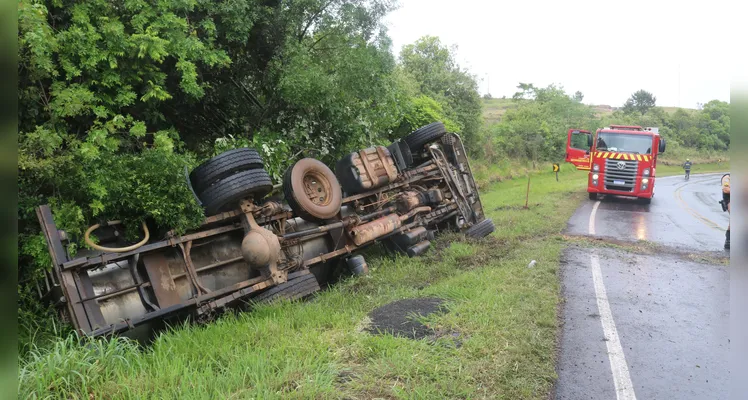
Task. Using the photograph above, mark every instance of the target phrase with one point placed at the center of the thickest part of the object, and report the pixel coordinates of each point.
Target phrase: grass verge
(496, 340)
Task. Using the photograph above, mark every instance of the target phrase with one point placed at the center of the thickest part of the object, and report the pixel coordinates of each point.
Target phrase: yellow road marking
(693, 212)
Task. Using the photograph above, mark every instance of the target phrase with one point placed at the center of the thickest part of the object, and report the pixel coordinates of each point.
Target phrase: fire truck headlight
(645, 181)
(595, 167)
(594, 177)
(646, 171)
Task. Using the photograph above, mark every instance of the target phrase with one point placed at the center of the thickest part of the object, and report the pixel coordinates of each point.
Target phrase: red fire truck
(621, 159)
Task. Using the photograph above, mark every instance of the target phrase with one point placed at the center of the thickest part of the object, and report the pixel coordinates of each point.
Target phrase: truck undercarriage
(259, 245)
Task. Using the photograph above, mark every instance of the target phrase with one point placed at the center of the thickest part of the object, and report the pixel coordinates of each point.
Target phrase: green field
(496, 340)
(714, 167)
(493, 109)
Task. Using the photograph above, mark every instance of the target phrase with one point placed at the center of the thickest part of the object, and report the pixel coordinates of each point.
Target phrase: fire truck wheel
(593, 196)
(224, 165)
(226, 193)
(481, 229)
(425, 135)
(312, 190)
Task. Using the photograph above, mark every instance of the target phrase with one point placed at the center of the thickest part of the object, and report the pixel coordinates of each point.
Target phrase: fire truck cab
(621, 159)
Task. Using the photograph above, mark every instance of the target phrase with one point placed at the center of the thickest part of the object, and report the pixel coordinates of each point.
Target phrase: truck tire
(312, 190)
(357, 265)
(401, 154)
(593, 196)
(481, 229)
(224, 165)
(293, 289)
(424, 135)
(254, 183)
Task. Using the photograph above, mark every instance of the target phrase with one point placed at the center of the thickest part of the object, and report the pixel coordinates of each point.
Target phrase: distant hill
(494, 109)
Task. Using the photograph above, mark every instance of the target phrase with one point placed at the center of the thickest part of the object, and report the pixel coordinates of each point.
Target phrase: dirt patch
(516, 208)
(650, 248)
(456, 338)
(487, 249)
(345, 376)
(399, 318)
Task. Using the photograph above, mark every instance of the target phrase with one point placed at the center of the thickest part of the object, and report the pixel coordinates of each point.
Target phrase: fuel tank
(367, 169)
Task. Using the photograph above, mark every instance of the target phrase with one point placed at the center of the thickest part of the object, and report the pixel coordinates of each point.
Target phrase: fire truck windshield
(624, 143)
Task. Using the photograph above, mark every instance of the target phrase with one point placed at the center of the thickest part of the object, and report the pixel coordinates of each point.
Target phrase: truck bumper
(637, 191)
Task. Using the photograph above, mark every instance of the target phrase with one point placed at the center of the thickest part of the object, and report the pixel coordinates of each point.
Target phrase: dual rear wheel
(222, 181)
(310, 187)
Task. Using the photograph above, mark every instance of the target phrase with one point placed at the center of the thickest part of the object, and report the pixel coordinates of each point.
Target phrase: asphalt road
(647, 326)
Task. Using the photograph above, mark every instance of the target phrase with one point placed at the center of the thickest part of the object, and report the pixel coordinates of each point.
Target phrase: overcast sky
(605, 50)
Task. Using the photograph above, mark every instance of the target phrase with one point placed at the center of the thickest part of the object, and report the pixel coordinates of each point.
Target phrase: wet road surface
(647, 326)
(683, 214)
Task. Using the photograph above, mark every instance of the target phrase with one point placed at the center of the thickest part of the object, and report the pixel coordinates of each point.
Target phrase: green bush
(425, 110)
(149, 186)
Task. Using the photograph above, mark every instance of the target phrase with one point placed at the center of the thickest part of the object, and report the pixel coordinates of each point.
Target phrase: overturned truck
(261, 241)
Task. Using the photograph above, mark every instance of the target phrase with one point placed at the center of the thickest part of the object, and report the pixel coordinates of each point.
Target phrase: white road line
(592, 217)
(619, 368)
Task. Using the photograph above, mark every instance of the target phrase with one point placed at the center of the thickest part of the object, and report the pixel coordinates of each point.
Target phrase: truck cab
(621, 159)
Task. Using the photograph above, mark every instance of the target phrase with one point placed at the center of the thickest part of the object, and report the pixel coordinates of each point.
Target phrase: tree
(641, 102)
(433, 67)
(578, 96)
(532, 129)
(526, 91)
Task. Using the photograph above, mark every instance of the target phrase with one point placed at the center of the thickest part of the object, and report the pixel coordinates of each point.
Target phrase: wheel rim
(317, 188)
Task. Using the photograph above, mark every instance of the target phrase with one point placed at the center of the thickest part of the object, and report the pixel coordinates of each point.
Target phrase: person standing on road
(687, 167)
(726, 199)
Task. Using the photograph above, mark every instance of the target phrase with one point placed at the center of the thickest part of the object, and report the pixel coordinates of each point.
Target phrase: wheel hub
(317, 188)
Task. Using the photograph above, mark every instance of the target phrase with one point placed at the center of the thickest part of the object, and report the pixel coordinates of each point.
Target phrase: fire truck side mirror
(662, 145)
(589, 141)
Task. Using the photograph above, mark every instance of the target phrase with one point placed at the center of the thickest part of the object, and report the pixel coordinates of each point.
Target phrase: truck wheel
(357, 265)
(312, 190)
(254, 183)
(294, 288)
(224, 165)
(593, 196)
(481, 229)
(424, 135)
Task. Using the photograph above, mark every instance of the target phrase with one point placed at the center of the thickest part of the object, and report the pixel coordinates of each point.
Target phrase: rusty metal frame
(111, 257)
